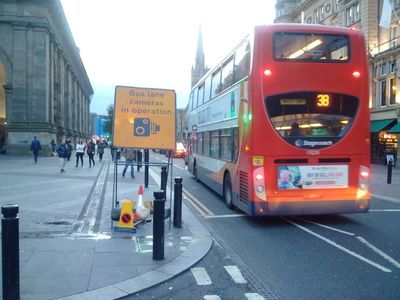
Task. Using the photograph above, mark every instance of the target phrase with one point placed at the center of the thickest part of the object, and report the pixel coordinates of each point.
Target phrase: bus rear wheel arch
(228, 191)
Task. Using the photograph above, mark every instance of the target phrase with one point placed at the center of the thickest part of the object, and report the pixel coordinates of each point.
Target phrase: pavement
(68, 246)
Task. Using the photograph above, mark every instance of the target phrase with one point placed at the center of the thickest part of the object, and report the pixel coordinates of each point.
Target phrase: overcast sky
(152, 44)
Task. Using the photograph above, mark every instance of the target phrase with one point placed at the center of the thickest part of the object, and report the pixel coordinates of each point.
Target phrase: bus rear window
(311, 114)
(289, 46)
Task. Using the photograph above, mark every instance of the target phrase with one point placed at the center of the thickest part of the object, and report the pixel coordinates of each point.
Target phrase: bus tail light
(267, 73)
(356, 74)
(259, 183)
(363, 182)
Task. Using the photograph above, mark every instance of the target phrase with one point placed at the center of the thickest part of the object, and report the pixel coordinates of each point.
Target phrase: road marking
(382, 268)
(325, 226)
(227, 216)
(201, 212)
(391, 210)
(201, 276)
(199, 204)
(381, 253)
(235, 273)
(176, 166)
(212, 297)
(254, 296)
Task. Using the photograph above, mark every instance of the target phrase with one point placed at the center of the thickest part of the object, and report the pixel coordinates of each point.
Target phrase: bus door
(190, 152)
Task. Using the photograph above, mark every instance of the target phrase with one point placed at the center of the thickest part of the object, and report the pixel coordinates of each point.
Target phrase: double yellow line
(197, 205)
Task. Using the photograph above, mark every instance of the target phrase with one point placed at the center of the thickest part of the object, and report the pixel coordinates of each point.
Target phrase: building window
(382, 92)
(321, 13)
(280, 12)
(335, 5)
(393, 36)
(356, 9)
(316, 18)
(392, 100)
(353, 14)
(393, 67)
(383, 70)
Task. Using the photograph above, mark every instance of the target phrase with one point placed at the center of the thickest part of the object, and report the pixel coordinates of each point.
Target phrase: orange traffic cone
(138, 203)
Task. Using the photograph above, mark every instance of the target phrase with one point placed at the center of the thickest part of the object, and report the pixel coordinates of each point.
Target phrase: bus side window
(215, 144)
(206, 143)
(242, 62)
(200, 143)
(235, 143)
(191, 101)
(216, 84)
(207, 89)
(225, 143)
(227, 75)
(201, 92)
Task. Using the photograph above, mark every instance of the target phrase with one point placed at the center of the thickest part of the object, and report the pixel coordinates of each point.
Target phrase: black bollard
(146, 168)
(164, 181)
(139, 159)
(389, 174)
(10, 251)
(178, 202)
(158, 225)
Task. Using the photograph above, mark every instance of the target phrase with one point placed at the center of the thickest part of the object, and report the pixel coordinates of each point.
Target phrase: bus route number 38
(323, 100)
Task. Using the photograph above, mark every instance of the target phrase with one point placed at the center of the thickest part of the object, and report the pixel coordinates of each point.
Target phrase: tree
(109, 120)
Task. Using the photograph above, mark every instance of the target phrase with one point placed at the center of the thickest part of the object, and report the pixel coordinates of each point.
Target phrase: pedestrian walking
(53, 145)
(100, 150)
(35, 148)
(91, 151)
(80, 151)
(68, 143)
(130, 156)
(63, 152)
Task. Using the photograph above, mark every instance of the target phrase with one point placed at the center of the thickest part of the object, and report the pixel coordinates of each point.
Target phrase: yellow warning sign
(126, 220)
(258, 160)
(144, 118)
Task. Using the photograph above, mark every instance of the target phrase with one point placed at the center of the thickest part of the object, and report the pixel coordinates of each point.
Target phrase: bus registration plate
(312, 152)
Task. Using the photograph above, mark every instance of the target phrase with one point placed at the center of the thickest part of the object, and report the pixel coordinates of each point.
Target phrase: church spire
(198, 70)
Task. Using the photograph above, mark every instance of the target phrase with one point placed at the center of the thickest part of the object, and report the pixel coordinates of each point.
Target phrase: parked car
(179, 151)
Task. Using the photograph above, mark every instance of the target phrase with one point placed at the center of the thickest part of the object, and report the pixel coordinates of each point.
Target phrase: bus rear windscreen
(289, 46)
(311, 114)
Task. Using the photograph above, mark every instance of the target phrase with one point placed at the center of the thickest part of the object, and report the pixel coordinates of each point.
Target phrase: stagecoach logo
(300, 143)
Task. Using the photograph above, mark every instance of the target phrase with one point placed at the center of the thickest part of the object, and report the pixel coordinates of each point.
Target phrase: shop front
(384, 139)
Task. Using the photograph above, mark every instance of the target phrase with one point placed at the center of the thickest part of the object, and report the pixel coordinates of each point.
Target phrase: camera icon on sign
(143, 127)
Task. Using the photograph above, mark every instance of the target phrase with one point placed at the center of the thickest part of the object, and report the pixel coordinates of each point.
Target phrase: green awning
(377, 126)
(395, 129)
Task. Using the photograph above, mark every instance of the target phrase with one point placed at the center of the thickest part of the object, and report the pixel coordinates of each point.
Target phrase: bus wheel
(195, 173)
(228, 191)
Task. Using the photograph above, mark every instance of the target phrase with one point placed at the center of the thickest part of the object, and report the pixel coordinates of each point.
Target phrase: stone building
(44, 88)
(383, 49)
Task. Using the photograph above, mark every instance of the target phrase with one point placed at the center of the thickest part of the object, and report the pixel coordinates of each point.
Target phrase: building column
(17, 112)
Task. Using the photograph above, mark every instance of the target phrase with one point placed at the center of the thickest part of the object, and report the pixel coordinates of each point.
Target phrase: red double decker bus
(281, 125)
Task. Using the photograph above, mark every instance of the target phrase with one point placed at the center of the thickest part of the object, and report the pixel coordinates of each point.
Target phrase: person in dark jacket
(91, 150)
(35, 148)
(63, 152)
(68, 143)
